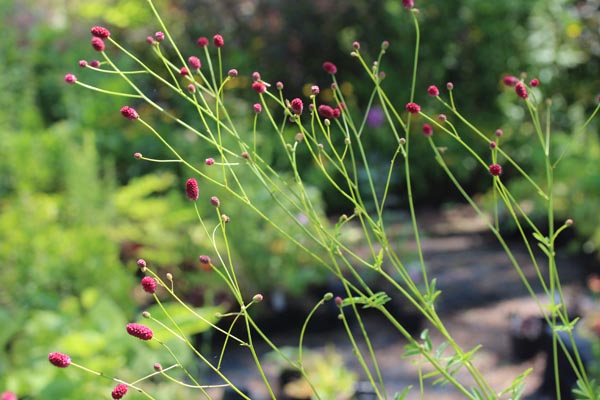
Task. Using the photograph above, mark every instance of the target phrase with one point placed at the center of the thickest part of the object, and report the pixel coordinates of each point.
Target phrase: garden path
(480, 290)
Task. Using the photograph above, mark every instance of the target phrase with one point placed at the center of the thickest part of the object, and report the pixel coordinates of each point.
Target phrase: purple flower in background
(375, 117)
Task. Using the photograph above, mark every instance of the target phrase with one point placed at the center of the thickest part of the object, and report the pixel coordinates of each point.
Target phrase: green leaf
(402, 396)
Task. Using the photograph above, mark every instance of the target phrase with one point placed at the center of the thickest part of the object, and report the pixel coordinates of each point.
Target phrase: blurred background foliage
(76, 210)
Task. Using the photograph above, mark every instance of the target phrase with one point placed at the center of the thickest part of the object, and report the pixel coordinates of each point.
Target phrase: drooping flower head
(433, 91)
(202, 42)
(98, 44)
(100, 32)
(119, 391)
(149, 284)
(139, 331)
(413, 108)
(329, 67)
(297, 106)
(218, 41)
(129, 113)
(495, 169)
(59, 360)
(427, 130)
(259, 87)
(325, 111)
(191, 189)
(521, 90)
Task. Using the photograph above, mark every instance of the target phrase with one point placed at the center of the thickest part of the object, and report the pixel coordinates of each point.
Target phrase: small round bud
(214, 200)
(257, 108)
(245, 155)
(498, 132)
(534, 82)
(209, 161)
(433, 91)
(232, 73)
(356, 45)
(402, 140)
(137, 156)
(225, 218)
(83, 63)
(95, 64)
(328, 296)
(329, 67)
(442, 117)
(98, 44)
(146, 314)
(279, 85)
(297, 106)
(157, 367)
(70, 79)
(257, 298)
(194, 62)
(149, 284)
(408, 4)
(413, 108)
(569, 222)
(493, 145)
(256, 76)
(495, 169)
(218, 41)
(299, 137)
(449, 85)
(159, 36)
(259, 87)
(169, 276)
(427, 130)
(314, 89)
(384, 45)
(150, 40)
(191, 88)
(338, 301)
(183, 71)
(141, 263)
(204, 259)
(202, 42)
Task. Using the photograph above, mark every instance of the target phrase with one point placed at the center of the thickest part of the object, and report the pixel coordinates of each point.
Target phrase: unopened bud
(257, 298)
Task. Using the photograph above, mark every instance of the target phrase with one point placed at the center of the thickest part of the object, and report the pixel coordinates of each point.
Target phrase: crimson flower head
(329, 67)
(159, 36)
(433, 90)
(218, 41)
(214, 200)
(521, 90)
(149, 284)
(202, 42)
(70, 79)
(139, 331)
(232, 73)
(297, 106)
(184, 71)
(194, 62)
(129, 113)
(427, 130)
(204, 259)
(534, 82)
(413, 108)
(98, 43)
(325, 111)
(259, 87)
(100, 32)
(495, 169)
(9, 396)
(59, 360)
(337, 112)
(408, 4)
(119, 391)
(191, 189)
(95, 64)
(257, 108)
(510, 80)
